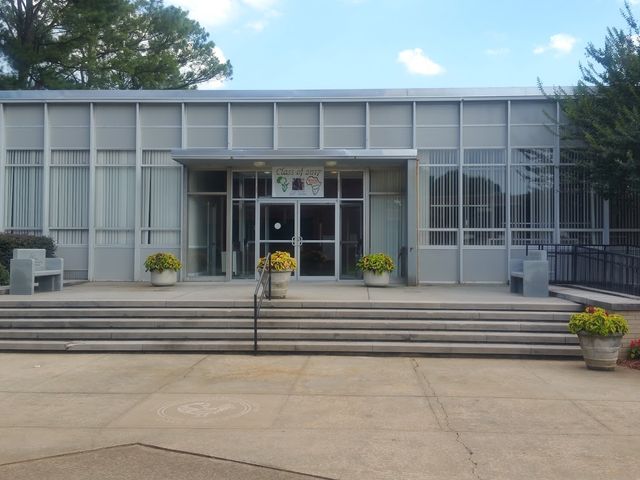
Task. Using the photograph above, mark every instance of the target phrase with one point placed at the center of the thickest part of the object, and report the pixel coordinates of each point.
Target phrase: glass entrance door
(306, 230)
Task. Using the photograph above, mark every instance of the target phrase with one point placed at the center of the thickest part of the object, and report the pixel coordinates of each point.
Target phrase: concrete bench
(31, 264)
(530, 275)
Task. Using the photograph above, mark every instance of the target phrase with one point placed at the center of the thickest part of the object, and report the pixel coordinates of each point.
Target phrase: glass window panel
(277, 221)
(330, 184)
(532, 155)
(207, 181)
(206, 236)
(389, 180)
(69, 197)
(580, 207)
(484, 197)
(351, 184)
(264, 184)
(387, 227)
(23, 191)
(532, 196)
(317, 259)
(351, 238)
(244, 238)
(317, 222)
(244, 184)
(438, 157)
(483, 237)
(484, 156)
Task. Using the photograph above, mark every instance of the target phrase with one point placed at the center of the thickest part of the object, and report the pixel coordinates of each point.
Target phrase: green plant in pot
(376, 268)
(163, 267)
(600, 334)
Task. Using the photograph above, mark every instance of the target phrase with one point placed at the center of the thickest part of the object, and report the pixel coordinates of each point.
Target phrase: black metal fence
(606, 267)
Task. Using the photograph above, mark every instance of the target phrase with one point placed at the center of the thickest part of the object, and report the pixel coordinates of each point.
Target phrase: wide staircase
(285, 327)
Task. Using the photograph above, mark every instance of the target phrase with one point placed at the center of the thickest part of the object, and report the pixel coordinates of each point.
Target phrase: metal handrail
(258, 297)
(607, 267)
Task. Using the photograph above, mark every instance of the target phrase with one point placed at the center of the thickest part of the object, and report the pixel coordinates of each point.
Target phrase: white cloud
(209, 12)
(497, 52)
(213, 13)
(263, 5)
(418, 63)
(560, 43)
(257, 25)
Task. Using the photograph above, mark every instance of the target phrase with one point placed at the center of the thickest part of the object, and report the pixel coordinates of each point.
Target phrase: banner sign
(297, 182)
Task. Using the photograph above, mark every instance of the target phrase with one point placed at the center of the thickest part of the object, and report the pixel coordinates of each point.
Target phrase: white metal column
(137, 231)
(46, 162)
(92, 194)
(460, 195)
(3, 162)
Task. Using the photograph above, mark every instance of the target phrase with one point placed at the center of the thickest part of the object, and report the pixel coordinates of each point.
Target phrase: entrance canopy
(215, 157)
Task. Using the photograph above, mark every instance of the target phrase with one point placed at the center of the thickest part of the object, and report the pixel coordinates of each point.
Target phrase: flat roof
(409, 94)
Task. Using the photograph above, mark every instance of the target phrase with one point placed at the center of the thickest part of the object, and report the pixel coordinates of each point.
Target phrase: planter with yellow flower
(600, 334)
(282, 265)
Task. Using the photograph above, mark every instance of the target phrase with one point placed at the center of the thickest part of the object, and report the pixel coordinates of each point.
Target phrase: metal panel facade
(491, 175)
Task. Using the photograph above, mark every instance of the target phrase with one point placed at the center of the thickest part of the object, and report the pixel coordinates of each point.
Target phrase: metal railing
(264, 281)
(606, 267)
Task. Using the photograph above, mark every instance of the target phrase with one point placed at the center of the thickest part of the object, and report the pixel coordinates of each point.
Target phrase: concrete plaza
(325, 416)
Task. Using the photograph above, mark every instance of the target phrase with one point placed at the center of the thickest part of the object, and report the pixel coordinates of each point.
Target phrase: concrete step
(266, 313)
(290, 334)
(427, 304)
(331, 323)
(401, 348)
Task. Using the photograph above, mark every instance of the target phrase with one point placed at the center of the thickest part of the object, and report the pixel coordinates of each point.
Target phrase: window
(161, 193)
(23, 190)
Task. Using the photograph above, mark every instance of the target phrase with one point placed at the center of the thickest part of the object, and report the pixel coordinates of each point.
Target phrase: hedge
(4, 275)
(9, 241)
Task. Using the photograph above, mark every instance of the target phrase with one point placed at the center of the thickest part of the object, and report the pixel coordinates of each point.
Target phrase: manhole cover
(206, 410)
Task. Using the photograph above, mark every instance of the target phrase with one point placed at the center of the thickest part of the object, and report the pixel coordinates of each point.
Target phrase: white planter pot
(279, 283)
(164, 278)
(372, 279)
(600, 353)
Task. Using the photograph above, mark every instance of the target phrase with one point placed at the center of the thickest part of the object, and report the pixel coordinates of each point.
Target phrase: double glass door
(307, 230)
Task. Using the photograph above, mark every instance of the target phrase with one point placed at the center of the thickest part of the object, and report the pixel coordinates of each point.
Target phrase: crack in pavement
(425, 382)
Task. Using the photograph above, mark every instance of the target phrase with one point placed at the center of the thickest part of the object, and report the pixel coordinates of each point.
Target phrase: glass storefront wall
(306, 228)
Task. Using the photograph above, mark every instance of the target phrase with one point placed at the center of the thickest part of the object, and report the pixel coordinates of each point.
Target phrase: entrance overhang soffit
(210, 157)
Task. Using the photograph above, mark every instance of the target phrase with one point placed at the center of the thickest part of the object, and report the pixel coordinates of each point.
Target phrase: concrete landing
(136, 462)
(301, 294)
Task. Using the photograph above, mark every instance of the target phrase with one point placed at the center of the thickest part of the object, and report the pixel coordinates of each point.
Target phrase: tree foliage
(603, 112)
(103, 44)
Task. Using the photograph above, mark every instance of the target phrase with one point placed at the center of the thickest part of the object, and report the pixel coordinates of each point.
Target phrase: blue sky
(308, 44)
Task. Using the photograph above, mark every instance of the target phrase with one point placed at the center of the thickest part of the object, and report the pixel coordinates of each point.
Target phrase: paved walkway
(335, 417)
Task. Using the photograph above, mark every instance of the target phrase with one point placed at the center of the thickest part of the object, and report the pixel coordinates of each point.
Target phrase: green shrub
(597, 321)
(376, 262)
(9, 241)
(4, 275)
(634, 349)
(161, 261)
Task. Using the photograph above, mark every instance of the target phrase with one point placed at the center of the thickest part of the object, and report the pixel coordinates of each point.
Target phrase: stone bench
(31, 264)
(530, 275)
